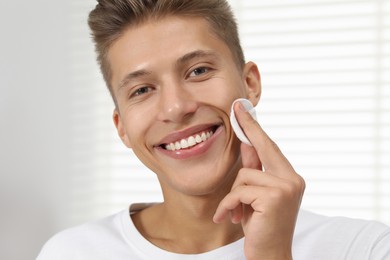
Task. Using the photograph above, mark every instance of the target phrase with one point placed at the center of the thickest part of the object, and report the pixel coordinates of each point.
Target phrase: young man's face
(174, 82)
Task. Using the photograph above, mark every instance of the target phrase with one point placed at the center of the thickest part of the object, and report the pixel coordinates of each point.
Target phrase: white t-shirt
(316, 237)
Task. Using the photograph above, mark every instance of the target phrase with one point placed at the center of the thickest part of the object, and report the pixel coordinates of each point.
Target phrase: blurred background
(325, 68)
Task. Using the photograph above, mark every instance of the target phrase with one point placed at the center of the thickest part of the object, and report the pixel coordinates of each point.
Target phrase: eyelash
(138, 92)
(204, 70)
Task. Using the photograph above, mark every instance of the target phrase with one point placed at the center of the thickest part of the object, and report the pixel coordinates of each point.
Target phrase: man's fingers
(242, 195)
(252, 177)
(267, 151)
(249, 157)
(261, 192)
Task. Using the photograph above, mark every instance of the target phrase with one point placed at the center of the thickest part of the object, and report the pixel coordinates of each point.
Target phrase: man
(174, 68)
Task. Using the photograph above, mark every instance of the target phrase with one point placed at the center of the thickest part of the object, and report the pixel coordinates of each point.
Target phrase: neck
(185, 224)
(196, 219)
(185, 221)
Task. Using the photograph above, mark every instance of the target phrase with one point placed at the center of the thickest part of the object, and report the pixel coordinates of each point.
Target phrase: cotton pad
(233, 121)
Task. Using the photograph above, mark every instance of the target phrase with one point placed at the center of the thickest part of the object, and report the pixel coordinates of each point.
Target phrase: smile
(189, 142)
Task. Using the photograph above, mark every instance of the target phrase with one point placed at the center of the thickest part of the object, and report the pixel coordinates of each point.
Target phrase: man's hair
(111, 18)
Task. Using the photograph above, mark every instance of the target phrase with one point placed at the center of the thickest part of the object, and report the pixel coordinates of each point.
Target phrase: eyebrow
(194, 55)
(132, 76)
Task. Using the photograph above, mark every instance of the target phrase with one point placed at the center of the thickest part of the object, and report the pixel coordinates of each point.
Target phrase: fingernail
(245, 104)
(241, 106)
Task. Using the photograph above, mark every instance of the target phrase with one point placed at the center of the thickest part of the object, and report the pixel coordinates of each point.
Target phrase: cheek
(138, 121)
(223, 92)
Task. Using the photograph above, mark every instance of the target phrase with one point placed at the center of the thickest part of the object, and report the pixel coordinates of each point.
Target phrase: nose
(176, 103)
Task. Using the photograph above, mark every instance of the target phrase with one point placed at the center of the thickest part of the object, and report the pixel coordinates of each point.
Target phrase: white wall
(34, 86)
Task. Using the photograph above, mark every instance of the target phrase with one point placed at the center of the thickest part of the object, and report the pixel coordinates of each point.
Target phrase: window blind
(325, 101)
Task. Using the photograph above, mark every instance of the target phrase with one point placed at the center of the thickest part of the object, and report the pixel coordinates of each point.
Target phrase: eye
(199, 71)
(141, 91)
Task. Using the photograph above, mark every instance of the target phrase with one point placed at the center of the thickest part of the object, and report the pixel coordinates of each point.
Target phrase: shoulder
(307, 221)
(78, 242)
(342, 236)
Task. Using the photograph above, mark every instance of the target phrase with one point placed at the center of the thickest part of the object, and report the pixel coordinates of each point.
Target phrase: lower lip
(196, 150)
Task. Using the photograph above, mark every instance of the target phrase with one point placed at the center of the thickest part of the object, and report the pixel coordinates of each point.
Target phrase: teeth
(176, 146)
(189, 142)
(183, 143)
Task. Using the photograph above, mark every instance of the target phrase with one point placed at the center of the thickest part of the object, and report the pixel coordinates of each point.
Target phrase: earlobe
(120, 128)
(252, 82)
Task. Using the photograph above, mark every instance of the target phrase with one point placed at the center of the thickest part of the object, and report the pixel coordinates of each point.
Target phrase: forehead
(157, 43)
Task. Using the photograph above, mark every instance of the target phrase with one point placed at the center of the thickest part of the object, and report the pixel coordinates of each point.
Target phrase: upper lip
(182, 134)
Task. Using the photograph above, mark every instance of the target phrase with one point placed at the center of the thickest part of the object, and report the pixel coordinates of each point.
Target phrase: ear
(252, 82)
(120, 128)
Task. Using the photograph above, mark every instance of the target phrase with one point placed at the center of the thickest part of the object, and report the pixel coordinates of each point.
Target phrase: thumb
(250, 158)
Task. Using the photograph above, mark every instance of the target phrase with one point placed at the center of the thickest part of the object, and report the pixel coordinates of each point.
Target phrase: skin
(172, 78)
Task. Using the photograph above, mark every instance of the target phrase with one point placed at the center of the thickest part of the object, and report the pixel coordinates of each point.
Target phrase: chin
(203, 181)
